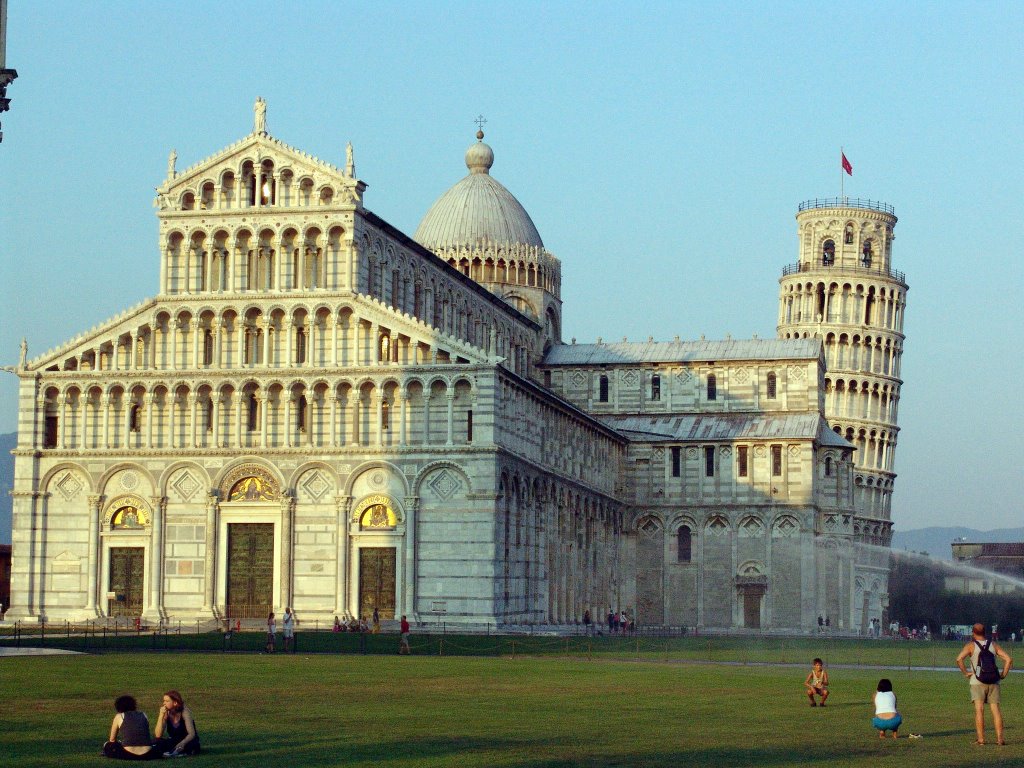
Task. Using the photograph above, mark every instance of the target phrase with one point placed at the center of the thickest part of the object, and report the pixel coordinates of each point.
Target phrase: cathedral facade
(322, 412)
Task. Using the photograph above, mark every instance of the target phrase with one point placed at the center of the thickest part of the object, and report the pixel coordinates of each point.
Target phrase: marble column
(92, 575)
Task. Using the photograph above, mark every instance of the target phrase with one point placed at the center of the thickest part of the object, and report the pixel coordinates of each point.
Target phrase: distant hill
(7, 443)
(935, 541)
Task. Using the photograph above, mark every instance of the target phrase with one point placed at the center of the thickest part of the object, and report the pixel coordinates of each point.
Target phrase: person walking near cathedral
(289, 630)
(403, 643)
(271, 633)
(985, 677)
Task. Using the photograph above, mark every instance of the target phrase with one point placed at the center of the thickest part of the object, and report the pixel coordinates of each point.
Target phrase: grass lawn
(292, 711)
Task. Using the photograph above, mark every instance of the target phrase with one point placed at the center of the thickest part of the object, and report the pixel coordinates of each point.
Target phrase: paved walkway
(6, 651)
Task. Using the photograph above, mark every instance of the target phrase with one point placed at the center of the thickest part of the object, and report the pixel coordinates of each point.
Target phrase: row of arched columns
(528, 266)
(256, 185)
(873, 495)
(862, 400)
(869, 354)
(861, 304)
(294, 258)
(558, 547)
(257, 414)
(278, 336)
(876, 448)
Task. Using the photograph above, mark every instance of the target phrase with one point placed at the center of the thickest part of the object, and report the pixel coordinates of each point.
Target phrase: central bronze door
(250, 578)
(377, 582)
(126, 579)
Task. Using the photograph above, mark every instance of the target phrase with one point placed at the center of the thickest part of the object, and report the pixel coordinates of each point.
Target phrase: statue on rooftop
(260, 112)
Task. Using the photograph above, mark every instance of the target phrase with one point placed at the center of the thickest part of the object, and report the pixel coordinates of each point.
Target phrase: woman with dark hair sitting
(175, 718)
(129, 733)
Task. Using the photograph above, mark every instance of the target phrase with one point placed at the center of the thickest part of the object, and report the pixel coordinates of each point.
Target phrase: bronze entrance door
(250, 579)
(126, 579)
(752, 607)
(377, 582)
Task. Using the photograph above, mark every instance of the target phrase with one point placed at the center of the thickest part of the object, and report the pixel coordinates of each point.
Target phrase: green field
(538, 711)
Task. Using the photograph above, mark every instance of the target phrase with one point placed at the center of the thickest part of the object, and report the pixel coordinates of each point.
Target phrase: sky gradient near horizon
(661, 150)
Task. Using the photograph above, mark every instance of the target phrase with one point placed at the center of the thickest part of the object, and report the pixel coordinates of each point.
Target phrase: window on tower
(848, 234)
(712, 387)
(828, 253)
(602, 395)
(866, 255)
(655, 387)
(771, 385)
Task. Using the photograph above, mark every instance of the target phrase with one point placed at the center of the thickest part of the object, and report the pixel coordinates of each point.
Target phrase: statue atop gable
(259, 116)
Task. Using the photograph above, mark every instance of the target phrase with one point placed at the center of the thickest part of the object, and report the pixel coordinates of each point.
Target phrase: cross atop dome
(480, 121)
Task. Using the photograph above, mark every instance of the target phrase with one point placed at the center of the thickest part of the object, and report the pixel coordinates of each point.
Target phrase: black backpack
(986, 672)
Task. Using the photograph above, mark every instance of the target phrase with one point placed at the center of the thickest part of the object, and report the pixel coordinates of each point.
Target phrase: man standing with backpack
(985, 676)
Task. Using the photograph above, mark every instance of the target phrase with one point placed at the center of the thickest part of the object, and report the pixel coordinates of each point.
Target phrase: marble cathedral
(320, 411)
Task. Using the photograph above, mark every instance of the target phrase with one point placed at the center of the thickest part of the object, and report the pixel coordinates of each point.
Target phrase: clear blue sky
(662, 151)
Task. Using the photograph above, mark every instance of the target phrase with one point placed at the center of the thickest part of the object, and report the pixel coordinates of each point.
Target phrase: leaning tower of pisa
(844, 290)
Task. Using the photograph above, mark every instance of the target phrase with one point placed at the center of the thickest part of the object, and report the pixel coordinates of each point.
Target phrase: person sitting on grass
(817, 683)
(887, 717)
(176, 719)
(129, 733)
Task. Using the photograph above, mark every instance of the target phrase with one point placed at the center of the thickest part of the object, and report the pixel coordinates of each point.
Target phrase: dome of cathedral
(477, 211)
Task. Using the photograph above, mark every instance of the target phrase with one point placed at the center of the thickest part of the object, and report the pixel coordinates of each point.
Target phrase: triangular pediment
(221, 181)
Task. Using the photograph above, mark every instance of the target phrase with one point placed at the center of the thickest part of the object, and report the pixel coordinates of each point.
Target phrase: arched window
(712, 387)
(385, 415)
(252, 408)
(771, 385)
(848, 235)
(207, 347)
(655, 387)
(684, 544)
(300, 413)
(603, 390)
(300, 345)
(135, 418)
(828, 466)
(828, 253)
(385, 348)
(865, 255)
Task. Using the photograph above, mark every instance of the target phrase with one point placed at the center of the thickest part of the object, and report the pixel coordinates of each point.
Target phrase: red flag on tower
(846, 164)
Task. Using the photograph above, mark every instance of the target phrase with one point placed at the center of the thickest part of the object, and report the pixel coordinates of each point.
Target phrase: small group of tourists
(982, 671)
